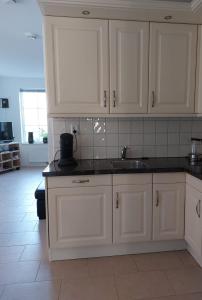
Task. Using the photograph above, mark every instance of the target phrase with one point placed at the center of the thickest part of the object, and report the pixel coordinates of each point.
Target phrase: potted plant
(44, 135)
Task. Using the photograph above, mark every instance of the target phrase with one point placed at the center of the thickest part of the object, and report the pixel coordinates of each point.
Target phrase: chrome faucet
(123, 152)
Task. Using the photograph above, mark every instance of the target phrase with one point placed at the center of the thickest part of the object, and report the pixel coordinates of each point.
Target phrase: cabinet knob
(198, 208)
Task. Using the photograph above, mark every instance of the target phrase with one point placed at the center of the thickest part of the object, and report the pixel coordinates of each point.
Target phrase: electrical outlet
(74, 128)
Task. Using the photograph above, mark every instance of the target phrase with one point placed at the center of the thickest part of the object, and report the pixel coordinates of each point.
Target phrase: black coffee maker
(66, 151)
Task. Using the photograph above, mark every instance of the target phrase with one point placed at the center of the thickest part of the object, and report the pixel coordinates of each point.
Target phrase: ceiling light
(31, 36)
(167, 18)
(85, 12)
(8, 1)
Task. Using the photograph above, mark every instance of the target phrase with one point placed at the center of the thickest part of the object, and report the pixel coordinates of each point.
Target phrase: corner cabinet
(172, 68)
(193, 217)
(77, 77)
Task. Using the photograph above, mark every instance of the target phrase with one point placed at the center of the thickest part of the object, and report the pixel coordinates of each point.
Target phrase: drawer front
(80, 181)
(121, 179)
(169, 177)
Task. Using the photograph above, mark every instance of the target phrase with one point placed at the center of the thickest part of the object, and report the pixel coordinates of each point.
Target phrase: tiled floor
(26, 274)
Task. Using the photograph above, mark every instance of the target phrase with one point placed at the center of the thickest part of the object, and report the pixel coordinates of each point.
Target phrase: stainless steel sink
(128, 164)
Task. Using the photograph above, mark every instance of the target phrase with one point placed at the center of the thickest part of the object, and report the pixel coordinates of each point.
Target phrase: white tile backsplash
(105, 137)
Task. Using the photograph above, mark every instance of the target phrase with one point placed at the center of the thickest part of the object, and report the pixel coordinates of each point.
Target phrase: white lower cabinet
(168, 208)
(115, 211)
(80, 216)
(193, 217)
(132, 206)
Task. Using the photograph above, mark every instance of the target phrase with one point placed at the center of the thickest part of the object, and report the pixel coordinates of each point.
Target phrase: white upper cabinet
(172, 68)
(129, 50)
(77, 65)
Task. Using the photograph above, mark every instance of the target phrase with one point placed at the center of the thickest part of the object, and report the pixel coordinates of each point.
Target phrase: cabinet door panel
(193, 223)
(132, 213)
(172, 68)
(80, 216)
(129, 66)
(77, 65)
(168, 211)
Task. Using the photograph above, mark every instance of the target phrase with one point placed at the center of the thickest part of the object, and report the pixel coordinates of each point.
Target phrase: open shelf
(9, 157)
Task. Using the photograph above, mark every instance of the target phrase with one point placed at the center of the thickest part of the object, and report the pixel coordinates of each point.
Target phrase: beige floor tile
(18, 272)
(80, 289)
(30, 217)
(69, 269)
(102, 266)
(46, 290)
(142, 285)
(14, 217)
(2, 288)
(157, 261)
(20, 238)
(124, 264)
(89, 289)
(10, 254)
(181, 297)
(11, 227)
(188, 280)
(34, 252)
(186, 258)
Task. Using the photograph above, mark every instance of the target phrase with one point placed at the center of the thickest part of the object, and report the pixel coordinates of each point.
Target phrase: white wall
(9, 88)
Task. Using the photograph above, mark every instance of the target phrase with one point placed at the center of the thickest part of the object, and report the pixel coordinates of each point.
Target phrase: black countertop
(104, 166)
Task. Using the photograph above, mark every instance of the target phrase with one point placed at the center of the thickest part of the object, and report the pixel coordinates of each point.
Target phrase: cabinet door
(172, 68)
(168, 211)
(129, 46)
(132, 213)
(76, 65)
(193, 222)
(80, 216)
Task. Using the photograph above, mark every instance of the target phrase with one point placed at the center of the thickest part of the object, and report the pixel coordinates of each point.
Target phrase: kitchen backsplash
(146, 137)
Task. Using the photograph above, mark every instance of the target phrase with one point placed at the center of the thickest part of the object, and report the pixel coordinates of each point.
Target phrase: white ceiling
(19, 56)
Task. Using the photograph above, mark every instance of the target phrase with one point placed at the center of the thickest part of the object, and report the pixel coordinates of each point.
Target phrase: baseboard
(111, 250)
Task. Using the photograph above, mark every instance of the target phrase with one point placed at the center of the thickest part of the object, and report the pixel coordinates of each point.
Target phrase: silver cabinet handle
(198, 208)
(81, 181)
(153, 98)
(114, 98)
(105, 98)
(157, 198)
(117, 200)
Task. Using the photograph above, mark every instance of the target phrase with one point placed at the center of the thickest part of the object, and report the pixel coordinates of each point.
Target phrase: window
(33, 114)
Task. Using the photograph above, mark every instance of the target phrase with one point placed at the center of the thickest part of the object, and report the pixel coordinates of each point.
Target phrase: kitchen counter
(105, 166)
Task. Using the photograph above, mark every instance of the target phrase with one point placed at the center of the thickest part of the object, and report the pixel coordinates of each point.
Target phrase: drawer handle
(114, 98)
(157, 198)
(153, 98)
(105, 98)
(198, 208)
(81, 181)
(117, 200)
